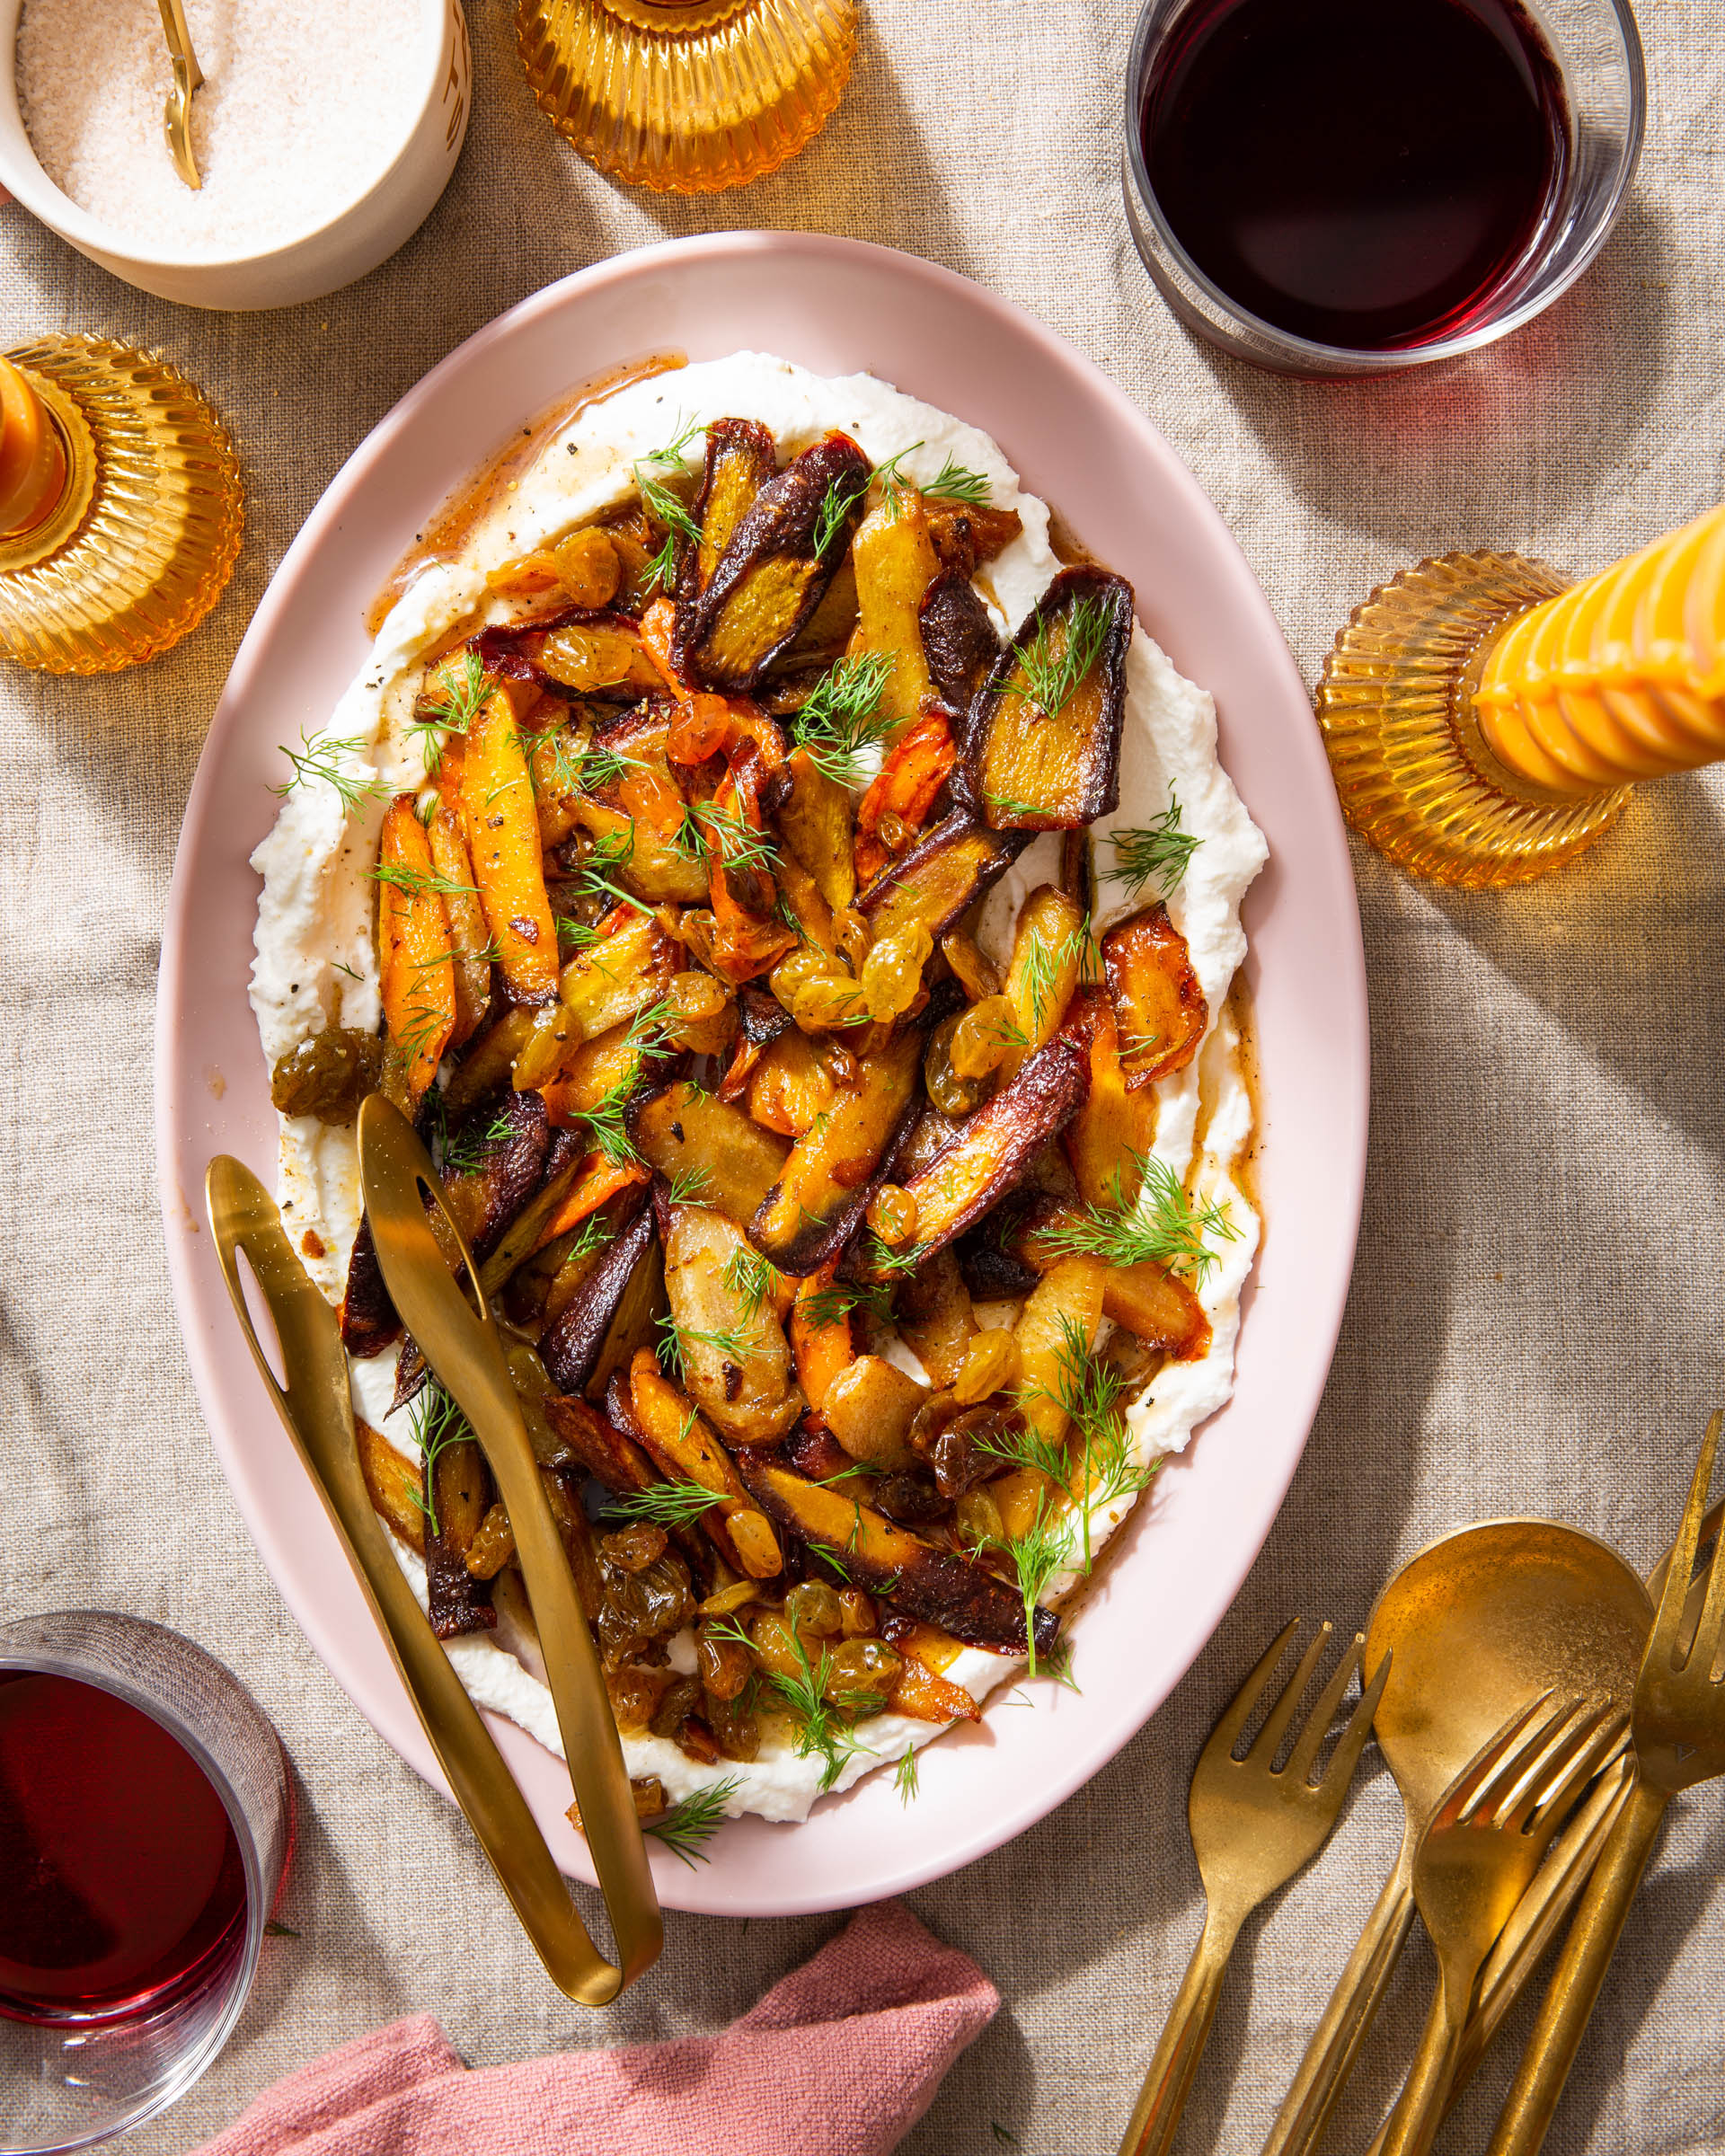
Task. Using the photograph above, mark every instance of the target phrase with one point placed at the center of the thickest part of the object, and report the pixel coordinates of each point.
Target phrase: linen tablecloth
(1536, 1316)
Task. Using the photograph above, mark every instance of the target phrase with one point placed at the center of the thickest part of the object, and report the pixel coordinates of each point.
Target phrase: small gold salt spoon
(188, 76)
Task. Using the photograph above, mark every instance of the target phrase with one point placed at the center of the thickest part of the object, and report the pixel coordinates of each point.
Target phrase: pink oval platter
(837, 306)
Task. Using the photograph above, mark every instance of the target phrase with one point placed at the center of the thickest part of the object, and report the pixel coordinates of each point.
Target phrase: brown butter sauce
(456, 518)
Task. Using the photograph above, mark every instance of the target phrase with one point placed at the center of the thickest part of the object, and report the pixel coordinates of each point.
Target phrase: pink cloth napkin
(840, 2059)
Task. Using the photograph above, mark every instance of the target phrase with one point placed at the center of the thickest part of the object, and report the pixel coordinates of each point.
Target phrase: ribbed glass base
(1416, 777)
(147, 535)
(687, 99)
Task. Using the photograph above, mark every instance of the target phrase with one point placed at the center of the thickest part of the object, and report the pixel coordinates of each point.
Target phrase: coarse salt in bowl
(323, 136)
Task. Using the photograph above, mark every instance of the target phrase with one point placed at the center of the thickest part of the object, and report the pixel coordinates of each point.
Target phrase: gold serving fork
(1253, 1826)
(1476, 1860)
(188, 76)
(1680, 1732)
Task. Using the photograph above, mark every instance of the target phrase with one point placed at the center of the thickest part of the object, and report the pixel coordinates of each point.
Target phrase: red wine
(1357, 172)
(119, 1872)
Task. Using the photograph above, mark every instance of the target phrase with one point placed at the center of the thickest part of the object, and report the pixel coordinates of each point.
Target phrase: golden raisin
(990, 1365)
(892, 1214)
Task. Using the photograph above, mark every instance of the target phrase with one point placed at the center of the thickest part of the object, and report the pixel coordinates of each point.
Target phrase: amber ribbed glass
(1415, 775)
(145, 537)
(687, 99)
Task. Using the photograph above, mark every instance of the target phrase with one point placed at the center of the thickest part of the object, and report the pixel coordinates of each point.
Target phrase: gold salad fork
(1477, 1858)
(1680, 1732)
(1253, 1826)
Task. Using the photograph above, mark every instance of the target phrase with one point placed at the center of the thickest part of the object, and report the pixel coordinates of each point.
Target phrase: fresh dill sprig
(1088, 1391)
(1051, 674)
(599, 865)
(605, 1120)
(892, 1264)
(317, 762)
(1009, 805)
(892, 481)
(693, 1820)
(821, 1732)
(452, 711)
(590, 1238)
(905, 1775)
(438, 1424)
(666, 1504)
(1162, 1227)
(690, 1186)
(827, 1306)
(415, 882)
(666, 509)
(731, 1342)
(1044, 1550)
(841, 497)
(600, 766)
(841, 718)
(1158, 852)
(462, 1152)
(705, 828)
(958, 482)
(749, 1275)
(1043, 962)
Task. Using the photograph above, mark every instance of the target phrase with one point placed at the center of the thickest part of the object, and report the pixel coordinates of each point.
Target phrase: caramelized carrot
(503, 835)
(417, 974)
(926, 1698)
(822, 1345)
(469, 940)
(905, 786)
(596, 1181)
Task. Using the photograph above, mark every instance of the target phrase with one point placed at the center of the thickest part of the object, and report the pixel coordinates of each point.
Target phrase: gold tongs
(463, 1351)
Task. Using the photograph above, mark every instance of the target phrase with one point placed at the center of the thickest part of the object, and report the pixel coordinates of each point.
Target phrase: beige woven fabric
(1535, 1318)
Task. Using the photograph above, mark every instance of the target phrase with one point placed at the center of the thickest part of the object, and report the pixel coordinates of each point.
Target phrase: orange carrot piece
(658, 626)
(907, 783)
(926, 1698)
(822, 1348)
(416, 971)
(596, 1181)
(503, 835)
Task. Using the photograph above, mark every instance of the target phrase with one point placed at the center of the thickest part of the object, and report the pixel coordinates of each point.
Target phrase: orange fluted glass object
(1486, 720)
(121, 506)
(691, 97)
(1618, 679)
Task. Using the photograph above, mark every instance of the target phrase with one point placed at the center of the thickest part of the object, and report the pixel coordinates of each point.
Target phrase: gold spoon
(1478, 1623)
(1679, 1731)
(317, 1408)
(188, 76)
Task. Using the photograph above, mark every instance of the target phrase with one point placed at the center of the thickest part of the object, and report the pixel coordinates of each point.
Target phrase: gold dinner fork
(1476, 1860)
(1253, 1826)
(1679, 1731)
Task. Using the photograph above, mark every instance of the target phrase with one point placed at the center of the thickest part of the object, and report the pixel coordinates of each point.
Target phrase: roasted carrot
(503, 836)
(821, 1334)
(905, 786)
(469, 940)
(596, 1182)
(417, 974)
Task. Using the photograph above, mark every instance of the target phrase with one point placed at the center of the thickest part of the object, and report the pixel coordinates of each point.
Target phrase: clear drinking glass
(1599, 53)
(73, 2080)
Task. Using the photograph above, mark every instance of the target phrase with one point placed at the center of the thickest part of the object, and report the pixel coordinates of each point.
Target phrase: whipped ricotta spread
(316, 963)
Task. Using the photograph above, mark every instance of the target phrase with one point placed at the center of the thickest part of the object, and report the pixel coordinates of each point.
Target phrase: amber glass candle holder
(1414, 773)
(1486, 718)
(121, 506)
(688, 96)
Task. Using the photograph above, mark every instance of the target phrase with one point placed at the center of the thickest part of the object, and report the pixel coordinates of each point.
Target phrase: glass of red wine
(146, 1814)
(1349, 187)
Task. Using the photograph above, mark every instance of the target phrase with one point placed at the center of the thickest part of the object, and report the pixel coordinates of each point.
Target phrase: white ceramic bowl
(834, 305)
(354, 241)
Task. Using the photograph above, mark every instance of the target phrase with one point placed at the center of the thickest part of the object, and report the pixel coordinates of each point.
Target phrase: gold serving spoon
(188, 76)
(316, 1406)
(1478, 1623)
(1680, 1732)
